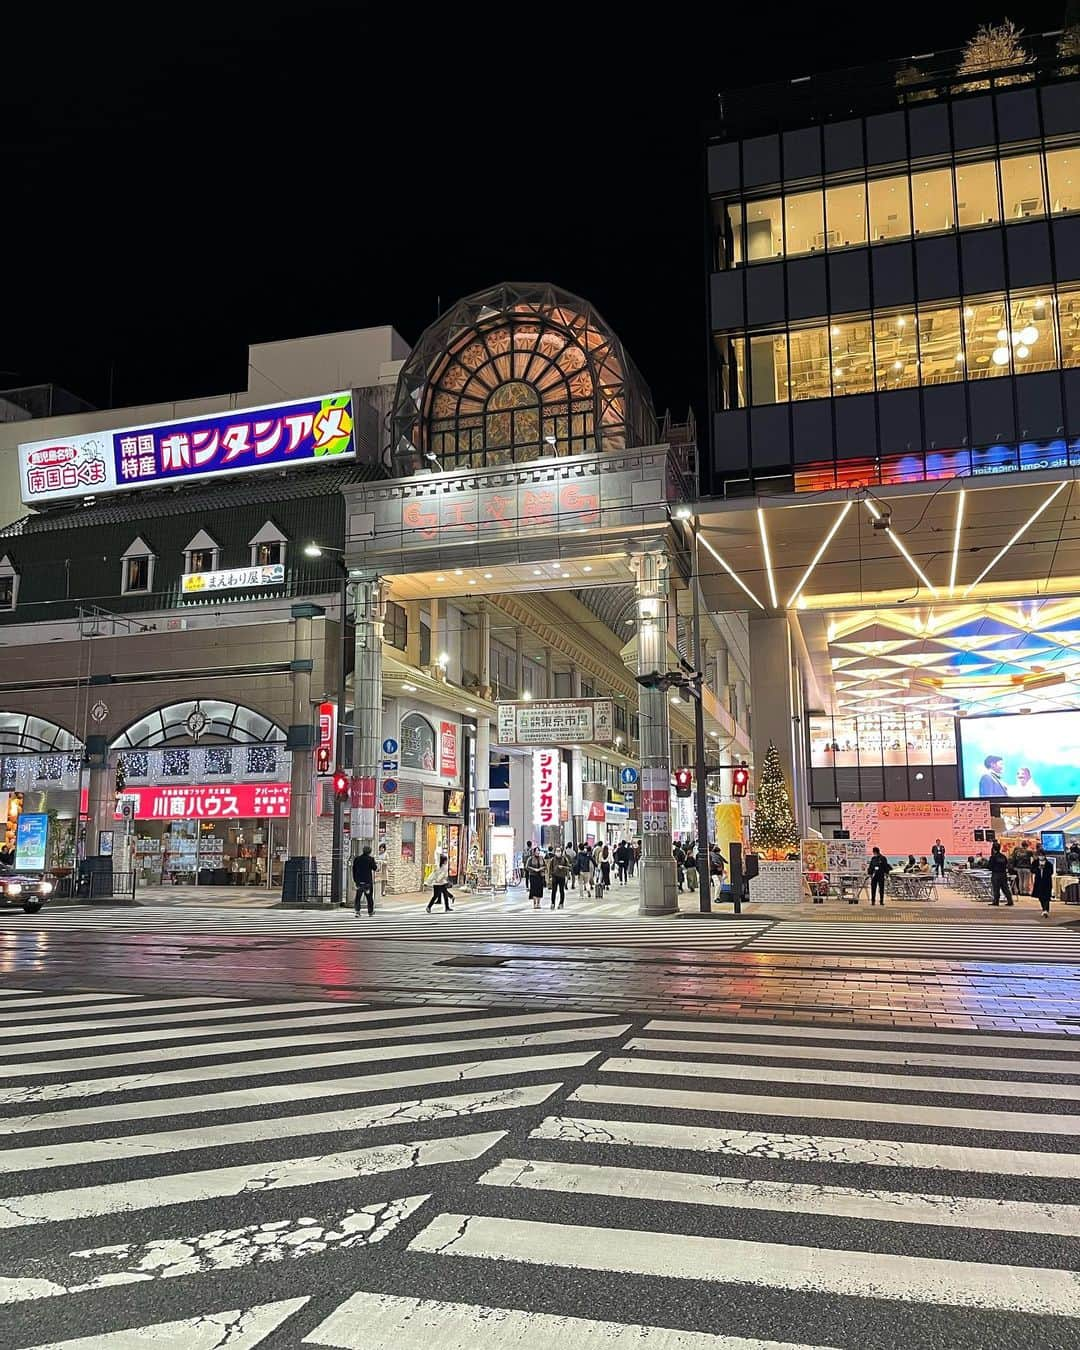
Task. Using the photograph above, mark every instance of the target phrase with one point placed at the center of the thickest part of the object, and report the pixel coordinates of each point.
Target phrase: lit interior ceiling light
(956, 540)
(902, 549)
(730, 571)
(1019, 534)
(767, 555)
(1000, 356)
(797, 592)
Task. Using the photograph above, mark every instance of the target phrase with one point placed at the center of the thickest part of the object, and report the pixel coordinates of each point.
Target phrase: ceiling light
(969, 313)
(901, 323)
(768, 558)
(1021, 531)
(472, 581)
(458, 572)
(683, 513)
(1000, 356)
(898, 365)
(587, 567)
(469, 707)
(410, 687)
(440, 578)
(527, 696)
(488, 576)
(797, 592)
(901, 548)
(444, 658)
(730, 571)
(1022, 351)
(1029, 334)
(956, 540)
(1003, 335)
(537, 572)
(959, 358)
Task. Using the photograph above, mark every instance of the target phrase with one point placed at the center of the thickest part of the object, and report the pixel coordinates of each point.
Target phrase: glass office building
(894, 261)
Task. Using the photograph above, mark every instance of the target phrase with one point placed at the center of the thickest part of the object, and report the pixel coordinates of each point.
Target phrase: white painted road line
(910, 1037)
(239, 1329)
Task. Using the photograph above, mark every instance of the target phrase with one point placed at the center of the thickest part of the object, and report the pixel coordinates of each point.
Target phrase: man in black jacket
(363, 875)
(999, 876)
(938, 852)
(879, 868)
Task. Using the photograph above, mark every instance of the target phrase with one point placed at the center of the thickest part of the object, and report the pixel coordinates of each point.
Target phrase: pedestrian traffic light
(341, 785)
(684, 782)
(740, 780)
(322, 759)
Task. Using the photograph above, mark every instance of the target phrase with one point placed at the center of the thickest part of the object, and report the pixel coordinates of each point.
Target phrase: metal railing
(96, 886)
(312, 888)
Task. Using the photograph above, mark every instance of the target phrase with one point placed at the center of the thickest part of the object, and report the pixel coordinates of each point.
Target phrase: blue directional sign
(628, 776)
(389, 746)
(389, 766)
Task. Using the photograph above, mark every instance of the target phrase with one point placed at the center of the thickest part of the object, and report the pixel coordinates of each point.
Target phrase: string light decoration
(774, 821)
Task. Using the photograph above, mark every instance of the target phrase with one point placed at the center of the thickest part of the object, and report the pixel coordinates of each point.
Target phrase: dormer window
(268, 546)
(202, 554)
(9, 584)
(137, 564)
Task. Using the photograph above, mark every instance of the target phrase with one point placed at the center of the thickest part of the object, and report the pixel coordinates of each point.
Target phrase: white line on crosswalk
(26, 998)
(810, 1148)
(92, 1087)
(840, 1054)
(22, 1015)
(328, 1031)
(772, 1265)
(165, 1143)
(183, 1188)
(811, 1077)
(387, 1322)
(691, 1188)
(238, 1328)
(909, 1036)
(831, 1108)
(243, 1098)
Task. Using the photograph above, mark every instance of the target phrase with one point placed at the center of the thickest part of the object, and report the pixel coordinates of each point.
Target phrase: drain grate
(474, 961)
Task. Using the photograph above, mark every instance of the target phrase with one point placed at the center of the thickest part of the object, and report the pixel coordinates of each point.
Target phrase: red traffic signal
(684, 782)
(341, 785)
(740, 780)
(322, 759)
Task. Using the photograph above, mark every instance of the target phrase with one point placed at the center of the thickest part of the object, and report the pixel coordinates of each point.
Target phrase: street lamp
(314, 550)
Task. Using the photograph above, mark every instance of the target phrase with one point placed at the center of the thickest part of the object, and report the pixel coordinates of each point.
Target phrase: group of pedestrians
(1032, 869)
(586, 868)
(688, 862)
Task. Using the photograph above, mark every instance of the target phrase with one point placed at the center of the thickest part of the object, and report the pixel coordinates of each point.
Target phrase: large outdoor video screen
(1020, 755)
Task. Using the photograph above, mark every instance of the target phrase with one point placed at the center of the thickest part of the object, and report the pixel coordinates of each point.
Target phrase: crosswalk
(206, 1172)
(966, 941)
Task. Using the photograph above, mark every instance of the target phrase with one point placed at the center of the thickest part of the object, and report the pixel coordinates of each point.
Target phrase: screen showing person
(1052, 841)
(1026, 755)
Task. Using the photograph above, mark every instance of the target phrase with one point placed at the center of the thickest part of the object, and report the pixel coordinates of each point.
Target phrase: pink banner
(221, 801)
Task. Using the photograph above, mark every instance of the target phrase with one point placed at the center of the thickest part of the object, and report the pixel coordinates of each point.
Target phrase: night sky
(197, 179)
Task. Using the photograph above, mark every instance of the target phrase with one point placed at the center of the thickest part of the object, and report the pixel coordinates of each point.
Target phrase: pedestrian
(879, 868)
(604, 880)
(679, 854)
(440, 885)
(999, 877)
(535, 873)
(911, 865)
(938, 854)
(635, 856)
(559, 871)
(622, 861)
(1022, 860)
(690, 866)
(1043, 880)
(582, 868)
(364, 867)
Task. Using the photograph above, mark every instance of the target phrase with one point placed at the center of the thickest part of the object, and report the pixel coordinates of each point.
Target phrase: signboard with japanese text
(219, 801)
(31, 841)
(545, 788)
(557, 721)
(655, 801)
(327, 742)
(232, 579)
(239, 441)
(448, 734)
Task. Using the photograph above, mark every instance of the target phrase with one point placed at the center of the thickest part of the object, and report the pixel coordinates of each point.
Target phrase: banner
(275, 436)
(557, 721)
(448, 749)
(545, 788)
(655, 801)
(31, 841)
(222, 801)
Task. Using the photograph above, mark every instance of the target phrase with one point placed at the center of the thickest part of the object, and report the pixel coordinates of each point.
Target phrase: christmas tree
(774, 822)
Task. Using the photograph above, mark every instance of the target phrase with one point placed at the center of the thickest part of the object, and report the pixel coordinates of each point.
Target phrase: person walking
(604, 879)
(635, 857)
(364, 867)
(1022, 861)
(938, 854)
(679, 854)
(535, 874)
(1042, 871)
(622, 861)
(440, 885)
(879, 868)
(560, 870)
(690, 866)
(999, 877)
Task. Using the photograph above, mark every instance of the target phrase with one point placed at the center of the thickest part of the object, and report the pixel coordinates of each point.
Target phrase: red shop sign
(219, 801)
(448, 749)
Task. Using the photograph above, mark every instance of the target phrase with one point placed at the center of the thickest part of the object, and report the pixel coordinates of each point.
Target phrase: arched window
(417, 743)
(22, 733)
(214, 720)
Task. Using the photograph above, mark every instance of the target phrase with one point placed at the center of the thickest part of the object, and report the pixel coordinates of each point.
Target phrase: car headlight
(14, 888)
(45, 888)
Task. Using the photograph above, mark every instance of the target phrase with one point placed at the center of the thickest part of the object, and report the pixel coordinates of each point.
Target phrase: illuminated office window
(845, 215)
(764, 229)
(986, 338)
(977, 194)
(768, 368)
(1022, 187)
(890, 209)
(941, 349)
(735, 233)
(1031, 334)
(896, 351)
(810, 363)
(1069, 324)
(1063, 174)
(852, 356)
(804, 222)
(932, 202)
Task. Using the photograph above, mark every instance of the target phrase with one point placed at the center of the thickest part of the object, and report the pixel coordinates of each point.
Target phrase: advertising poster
(557, 721)
(31, 841)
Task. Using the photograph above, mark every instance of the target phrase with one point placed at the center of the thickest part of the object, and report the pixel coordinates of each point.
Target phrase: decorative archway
(24, 734)
(206, 721)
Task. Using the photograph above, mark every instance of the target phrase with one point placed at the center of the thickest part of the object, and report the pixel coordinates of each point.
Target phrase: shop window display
(417, 743)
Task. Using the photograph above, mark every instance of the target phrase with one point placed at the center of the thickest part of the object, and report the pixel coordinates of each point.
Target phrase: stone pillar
(658, 895)
(519, 642)
(577, 798)
(776, 686)
(101, 805)
(370, 610)
(437, 610)
(302, 739)
(484, 659)
(483, 786)
(549, 674)
(412, 640)
(723, 679)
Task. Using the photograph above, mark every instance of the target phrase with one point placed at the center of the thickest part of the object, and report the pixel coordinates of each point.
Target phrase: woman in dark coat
(1042, 881)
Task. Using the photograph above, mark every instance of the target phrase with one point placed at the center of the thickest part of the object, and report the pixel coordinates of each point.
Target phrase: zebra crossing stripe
(93, 1087)
(810, 1148)
(34, 1014)
(167, 1142)
(238, 1328)
(184, 1188)
(246, 1098)
(769, 1265)
(388, 1322)
(909, 1037)
(322, 1033)
(18, 998)
(631, 1183)
(774, 1073)
(831, 1108)
(836, 1053)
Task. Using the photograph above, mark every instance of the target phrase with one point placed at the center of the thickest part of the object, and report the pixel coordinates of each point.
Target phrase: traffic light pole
(338, 884)
(701, 784)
